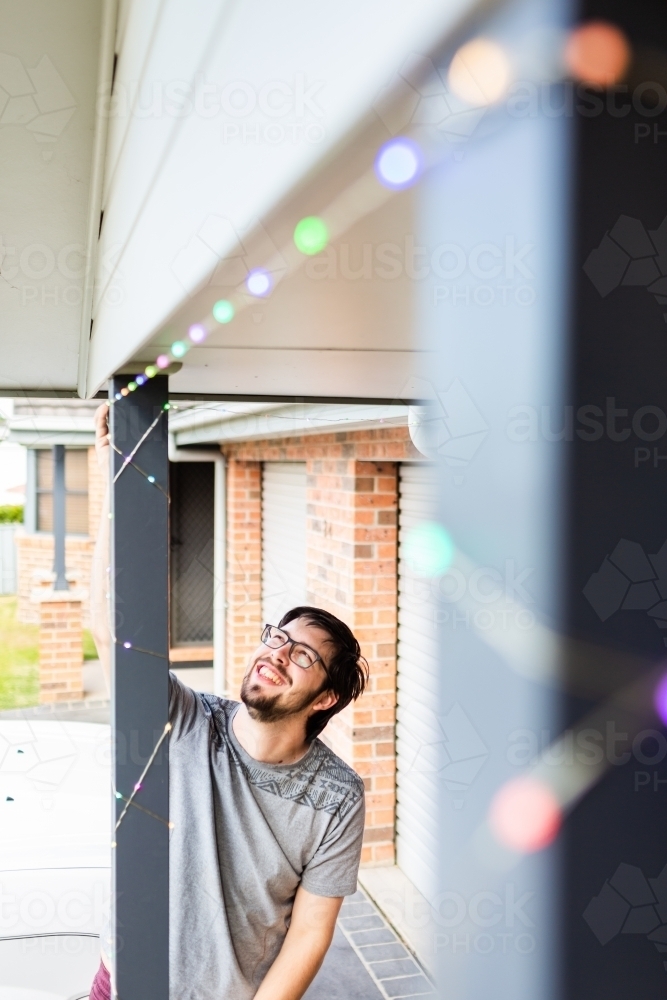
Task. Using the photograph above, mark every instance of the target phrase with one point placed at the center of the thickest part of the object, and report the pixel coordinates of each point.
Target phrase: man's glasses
(299, 653)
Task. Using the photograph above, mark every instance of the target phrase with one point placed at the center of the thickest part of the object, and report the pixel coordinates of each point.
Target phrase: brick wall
(60, 648)
(351, 560)
(34, 555)
(244, 567)
(34, 552)
(351, 571)
(390, 444)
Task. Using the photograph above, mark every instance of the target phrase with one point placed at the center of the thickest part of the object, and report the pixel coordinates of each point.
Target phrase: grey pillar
(59, 517)
(139, 571)
(553, 403)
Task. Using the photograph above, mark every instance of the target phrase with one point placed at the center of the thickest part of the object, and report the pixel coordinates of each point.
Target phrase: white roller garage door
(417, 733)
(283, 538)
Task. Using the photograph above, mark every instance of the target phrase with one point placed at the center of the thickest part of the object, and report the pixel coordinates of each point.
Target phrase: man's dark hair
(347, 670)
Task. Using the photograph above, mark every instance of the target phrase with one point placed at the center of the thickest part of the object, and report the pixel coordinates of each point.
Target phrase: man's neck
(279, 742)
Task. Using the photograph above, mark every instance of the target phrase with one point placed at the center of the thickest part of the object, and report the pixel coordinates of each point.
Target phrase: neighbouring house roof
(43, 423)
(38, 423)
(217, 423)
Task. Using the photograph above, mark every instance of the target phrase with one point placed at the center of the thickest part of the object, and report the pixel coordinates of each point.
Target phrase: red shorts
(101, 988)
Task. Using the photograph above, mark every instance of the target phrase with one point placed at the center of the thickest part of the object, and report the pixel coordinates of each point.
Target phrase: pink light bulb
(525, 815)
(162, 361)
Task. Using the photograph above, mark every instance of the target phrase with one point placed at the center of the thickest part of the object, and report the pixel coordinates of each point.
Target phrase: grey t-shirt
(246, 835)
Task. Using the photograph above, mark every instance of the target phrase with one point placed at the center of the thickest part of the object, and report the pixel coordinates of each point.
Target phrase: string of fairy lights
(138, 786)
(398, 165)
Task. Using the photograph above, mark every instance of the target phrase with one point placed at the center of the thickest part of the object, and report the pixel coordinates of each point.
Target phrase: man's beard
(267, 708)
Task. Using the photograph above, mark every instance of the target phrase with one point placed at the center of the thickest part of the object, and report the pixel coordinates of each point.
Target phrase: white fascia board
(287, 421)
(46, 439)
(52, 424)
(212, 413)
(170, 174)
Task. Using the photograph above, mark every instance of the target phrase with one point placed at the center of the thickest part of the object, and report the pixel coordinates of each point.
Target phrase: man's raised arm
(100, 578)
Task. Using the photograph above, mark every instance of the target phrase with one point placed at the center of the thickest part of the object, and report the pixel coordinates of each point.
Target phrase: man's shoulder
(320, 781)
(332, 785)
(332, 767)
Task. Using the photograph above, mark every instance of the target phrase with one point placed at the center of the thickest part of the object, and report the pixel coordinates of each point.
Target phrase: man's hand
(102, 440)
(100, 580)
(306, 943)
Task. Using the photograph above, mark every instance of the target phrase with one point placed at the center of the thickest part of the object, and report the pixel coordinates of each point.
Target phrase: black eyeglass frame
(292, 643)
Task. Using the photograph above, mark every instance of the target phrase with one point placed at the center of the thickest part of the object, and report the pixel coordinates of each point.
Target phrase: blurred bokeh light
(597, 53)
(480, 72)
(525, 815)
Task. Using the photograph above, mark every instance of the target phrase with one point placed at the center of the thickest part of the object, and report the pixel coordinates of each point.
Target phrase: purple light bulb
(660, 699)
(197, 333)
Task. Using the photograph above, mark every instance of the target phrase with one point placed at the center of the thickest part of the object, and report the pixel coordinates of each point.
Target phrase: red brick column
(60, 645)
(34, 554)
(244, 568)
(352, 572)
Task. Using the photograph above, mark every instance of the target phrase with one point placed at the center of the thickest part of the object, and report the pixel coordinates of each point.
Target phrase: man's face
(274, 687)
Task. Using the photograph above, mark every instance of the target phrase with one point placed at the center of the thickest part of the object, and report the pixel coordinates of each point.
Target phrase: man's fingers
(102, 422)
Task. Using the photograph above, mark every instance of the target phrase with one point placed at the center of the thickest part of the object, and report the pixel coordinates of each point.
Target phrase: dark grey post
(552, 400)
(139, 573)
(59, 522)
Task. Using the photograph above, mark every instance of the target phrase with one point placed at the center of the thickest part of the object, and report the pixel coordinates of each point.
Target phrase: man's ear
(326, 700)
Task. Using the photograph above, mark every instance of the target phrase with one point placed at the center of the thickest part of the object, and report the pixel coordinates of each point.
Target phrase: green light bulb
(151, 371)
(429, 549)
(179, 348)
(311, 235)
(223, 311)
(132, 386)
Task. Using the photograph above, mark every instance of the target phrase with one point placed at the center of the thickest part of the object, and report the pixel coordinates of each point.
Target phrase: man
(267, 820)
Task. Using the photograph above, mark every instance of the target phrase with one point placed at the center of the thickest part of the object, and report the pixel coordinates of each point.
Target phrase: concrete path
(367, 960)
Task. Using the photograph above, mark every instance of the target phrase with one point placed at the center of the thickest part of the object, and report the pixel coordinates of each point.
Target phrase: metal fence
(8, 583)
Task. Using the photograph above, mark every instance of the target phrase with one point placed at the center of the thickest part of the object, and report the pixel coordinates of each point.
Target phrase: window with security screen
(191, 518)
(76, 490)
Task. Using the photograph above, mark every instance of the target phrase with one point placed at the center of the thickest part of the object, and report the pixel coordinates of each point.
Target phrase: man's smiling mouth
(269, 674)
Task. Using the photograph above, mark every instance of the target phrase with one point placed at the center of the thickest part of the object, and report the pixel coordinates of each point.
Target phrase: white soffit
(52, 56)
(340, 326)
(277, 89)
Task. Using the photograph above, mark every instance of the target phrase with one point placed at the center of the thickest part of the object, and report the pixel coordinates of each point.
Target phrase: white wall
(49, 58)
